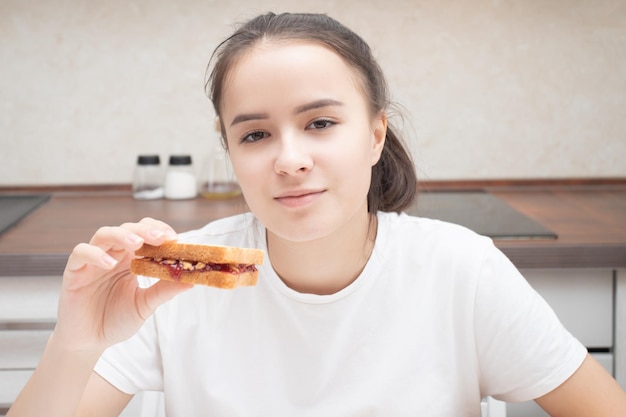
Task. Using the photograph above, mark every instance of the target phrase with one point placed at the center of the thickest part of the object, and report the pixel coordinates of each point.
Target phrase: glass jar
(148, 178)
(217, 178)
(180, 180)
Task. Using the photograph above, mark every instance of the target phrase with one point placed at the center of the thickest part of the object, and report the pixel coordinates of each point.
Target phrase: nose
(292, 157)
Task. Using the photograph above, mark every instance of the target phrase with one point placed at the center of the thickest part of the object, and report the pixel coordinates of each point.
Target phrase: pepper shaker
(148, 178)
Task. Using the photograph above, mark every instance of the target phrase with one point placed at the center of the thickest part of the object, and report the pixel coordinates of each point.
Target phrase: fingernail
(109, 260)
(134, 238)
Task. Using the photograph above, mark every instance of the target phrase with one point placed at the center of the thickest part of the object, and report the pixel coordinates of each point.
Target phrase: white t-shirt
(438, 319)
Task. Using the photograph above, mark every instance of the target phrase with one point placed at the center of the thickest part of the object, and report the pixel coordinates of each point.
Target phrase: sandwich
(212, 265)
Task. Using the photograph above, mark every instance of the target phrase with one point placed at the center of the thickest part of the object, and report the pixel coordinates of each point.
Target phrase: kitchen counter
(589, 221)
(41, 242)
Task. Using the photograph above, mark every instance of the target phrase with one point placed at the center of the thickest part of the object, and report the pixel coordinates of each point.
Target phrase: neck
(324, 266)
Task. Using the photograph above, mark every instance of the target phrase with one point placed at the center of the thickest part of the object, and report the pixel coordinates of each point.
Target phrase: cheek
(247, 169)
(359, 154)
(241, 172)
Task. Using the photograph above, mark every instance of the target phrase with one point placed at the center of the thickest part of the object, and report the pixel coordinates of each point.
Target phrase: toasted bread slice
(204, 253)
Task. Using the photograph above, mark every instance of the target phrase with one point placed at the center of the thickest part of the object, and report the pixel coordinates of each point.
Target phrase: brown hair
(394, 182)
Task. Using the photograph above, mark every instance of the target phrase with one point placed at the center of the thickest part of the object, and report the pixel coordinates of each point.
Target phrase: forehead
(276, 68)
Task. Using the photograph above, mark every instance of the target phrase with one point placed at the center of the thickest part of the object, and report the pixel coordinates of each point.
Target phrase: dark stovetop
(14, 208)
(480, 211)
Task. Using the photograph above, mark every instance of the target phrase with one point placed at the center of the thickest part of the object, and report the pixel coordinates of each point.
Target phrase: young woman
(359, 310)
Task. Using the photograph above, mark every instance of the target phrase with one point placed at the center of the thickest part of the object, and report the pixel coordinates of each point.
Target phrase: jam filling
(177, 267)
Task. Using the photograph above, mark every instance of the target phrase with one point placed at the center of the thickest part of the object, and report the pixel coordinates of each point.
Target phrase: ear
(379, 133)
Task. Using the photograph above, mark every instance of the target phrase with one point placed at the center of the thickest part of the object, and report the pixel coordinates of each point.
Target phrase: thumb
(152, 297)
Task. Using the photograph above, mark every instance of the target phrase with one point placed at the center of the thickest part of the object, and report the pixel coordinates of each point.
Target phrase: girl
(359, 310)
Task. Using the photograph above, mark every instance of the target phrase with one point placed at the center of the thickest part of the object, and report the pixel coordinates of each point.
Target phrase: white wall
(492, 89)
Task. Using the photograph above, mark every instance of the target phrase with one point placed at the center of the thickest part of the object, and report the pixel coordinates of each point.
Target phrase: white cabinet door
(28, 309)
(620, 327)
(29, 299)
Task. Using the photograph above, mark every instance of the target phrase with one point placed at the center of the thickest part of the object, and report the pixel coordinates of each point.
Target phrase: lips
(298, 198)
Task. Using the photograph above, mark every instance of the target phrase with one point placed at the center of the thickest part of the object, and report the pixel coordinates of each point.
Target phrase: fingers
(151, 231)
(130, 236)
(116, 239)
(84, 254)
(152, 297)
(110, 244)
(155, 232)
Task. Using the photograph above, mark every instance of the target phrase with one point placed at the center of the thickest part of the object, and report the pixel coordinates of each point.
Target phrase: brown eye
(320, 124)
(254, 136)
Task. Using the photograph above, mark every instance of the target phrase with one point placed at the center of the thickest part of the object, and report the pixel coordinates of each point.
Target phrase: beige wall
(492, 89)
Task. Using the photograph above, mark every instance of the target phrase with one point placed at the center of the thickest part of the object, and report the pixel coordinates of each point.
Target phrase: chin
(299, 234)
(299, 230)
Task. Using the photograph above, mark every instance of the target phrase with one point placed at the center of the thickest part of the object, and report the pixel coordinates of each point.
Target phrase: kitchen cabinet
(27, 314)
(620, 327)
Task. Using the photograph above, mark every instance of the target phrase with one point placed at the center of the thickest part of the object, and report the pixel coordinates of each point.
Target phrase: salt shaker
(148, 178)
(180, 180)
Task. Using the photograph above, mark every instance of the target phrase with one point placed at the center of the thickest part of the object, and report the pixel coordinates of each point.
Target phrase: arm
(57, 382)
(100, 304)
(109, 400)
(64, 379)
(589, 392)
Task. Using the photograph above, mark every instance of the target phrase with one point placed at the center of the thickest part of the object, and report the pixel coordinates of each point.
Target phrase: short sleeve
(135, 364)
(524, 351)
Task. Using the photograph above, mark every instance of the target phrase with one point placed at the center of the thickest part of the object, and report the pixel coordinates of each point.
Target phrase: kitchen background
(489, 88)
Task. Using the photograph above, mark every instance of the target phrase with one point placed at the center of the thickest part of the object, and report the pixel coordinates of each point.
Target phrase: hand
(101, 303)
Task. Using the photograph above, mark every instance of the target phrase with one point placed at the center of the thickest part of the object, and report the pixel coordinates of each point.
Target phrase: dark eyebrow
(248, 116)
(317, 104)
(240, 118)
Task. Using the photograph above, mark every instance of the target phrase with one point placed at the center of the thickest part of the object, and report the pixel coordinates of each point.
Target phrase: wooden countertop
(590, 222)
(41, 242)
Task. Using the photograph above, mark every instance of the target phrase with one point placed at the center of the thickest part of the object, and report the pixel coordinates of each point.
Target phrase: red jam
(177, 268)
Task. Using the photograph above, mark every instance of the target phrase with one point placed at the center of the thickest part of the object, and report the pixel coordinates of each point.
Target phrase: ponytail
(394, 180)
